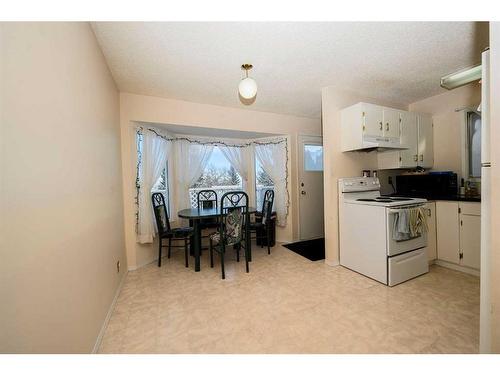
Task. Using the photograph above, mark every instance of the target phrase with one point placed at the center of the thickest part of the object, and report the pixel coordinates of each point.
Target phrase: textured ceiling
(400, 62)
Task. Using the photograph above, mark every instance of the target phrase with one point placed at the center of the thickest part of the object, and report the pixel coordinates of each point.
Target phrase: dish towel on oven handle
(409, 223)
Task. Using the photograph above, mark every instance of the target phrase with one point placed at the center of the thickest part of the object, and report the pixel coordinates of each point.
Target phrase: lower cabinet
(448, 233)
(470, 240)
(458, 231)
(430, 210)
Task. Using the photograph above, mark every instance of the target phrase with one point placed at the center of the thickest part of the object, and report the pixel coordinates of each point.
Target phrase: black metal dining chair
(263, 222)
(208, 199)
(166, 232)
(233, 228)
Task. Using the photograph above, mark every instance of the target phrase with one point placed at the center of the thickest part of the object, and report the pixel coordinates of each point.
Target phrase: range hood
(381, 144)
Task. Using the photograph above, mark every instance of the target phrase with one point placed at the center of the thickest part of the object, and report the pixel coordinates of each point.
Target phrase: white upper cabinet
(417, 138)
(409, 138)
(391, 122)
(367, 126)
(425, 142)
(372, 120)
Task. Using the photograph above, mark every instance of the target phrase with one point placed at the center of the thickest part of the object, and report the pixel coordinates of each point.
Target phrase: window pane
(313, 158)
(474, 143)
(219, 175)
(262, 183)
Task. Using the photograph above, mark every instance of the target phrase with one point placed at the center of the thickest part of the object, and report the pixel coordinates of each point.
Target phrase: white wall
(140, 108)
(61, 192)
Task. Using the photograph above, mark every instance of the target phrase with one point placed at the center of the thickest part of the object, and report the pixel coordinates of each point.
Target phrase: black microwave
(431, 185)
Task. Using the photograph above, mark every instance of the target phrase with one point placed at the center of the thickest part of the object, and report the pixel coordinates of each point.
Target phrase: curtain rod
(279, 139)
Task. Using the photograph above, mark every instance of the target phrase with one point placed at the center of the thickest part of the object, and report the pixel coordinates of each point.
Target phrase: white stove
(366, 224)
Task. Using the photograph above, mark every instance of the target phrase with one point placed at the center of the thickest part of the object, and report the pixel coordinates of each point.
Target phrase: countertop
(457, 197)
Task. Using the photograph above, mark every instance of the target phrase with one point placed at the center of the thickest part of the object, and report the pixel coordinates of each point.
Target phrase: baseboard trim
(108, 316)
(456, 267)
(332, 263)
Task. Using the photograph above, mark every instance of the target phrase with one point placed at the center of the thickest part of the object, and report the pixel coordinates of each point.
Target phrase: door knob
(303, 192)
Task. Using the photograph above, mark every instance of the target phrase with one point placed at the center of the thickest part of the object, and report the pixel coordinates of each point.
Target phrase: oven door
(397, 247)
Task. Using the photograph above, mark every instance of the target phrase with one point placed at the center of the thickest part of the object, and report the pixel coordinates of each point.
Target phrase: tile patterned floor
(288, 304)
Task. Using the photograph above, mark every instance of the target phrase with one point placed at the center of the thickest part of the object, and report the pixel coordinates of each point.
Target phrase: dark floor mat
(311, 249)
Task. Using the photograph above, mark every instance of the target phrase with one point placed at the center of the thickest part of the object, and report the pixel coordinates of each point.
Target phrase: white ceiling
(400, 62)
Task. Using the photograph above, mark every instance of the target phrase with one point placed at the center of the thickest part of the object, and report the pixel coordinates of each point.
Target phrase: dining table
(195, 215)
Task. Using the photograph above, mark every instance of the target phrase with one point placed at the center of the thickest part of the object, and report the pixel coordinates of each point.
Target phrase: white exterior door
(311, 218)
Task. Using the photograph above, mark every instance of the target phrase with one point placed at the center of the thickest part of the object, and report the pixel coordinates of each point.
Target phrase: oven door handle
(396, 210)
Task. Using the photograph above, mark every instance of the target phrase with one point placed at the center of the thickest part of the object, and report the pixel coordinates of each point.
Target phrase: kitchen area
(425, 159)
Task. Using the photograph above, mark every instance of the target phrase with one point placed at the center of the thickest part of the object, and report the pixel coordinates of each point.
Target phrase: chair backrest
(234, 216)
(267, 206)
(161, 215)
(207, 199)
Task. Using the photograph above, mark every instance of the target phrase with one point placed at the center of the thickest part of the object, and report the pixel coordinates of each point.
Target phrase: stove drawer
(407, 266)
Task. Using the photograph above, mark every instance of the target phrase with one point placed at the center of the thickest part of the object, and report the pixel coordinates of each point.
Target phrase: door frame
(299, 161)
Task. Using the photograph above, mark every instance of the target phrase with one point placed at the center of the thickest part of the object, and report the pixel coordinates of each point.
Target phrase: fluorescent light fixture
(461, 78)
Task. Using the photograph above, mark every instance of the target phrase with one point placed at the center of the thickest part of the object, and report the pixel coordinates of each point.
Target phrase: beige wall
(338, 164)
(61, 193)
(448, 123)
(495, 182)
(135, 108)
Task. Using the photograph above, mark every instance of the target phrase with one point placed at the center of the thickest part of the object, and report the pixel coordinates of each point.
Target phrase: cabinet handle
(421, 157)
(429, 212)
(381, 126)
(415, 157)
(387, 126)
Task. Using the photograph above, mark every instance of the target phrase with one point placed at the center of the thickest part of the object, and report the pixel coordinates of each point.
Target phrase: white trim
(332, 263)
(108, 315)
(456, 267)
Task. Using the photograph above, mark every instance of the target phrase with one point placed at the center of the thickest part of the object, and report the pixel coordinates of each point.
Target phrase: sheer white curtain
(239, 158)
(273, 159)
(191, 161)
(154, 153)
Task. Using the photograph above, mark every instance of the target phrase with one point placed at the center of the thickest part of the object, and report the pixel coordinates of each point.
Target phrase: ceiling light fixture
(461, 78)
(247, 87)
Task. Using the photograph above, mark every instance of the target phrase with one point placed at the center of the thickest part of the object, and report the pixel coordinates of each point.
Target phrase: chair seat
(179, 232)
(215, 237)
(256, 225)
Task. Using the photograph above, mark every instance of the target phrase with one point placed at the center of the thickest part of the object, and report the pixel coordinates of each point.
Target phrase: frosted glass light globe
(247, 88)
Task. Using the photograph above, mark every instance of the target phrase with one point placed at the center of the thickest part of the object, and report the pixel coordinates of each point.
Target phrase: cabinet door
(409, 138)
(470, 240)
(425, 142)
(447, 230)
(391, 123)
(430, 211)
(373, 125)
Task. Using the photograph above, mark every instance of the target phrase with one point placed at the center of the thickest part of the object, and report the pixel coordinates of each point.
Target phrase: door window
(313, 158)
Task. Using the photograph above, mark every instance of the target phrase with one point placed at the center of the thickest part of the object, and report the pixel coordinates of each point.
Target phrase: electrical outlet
(390, 180)
(118, 267)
